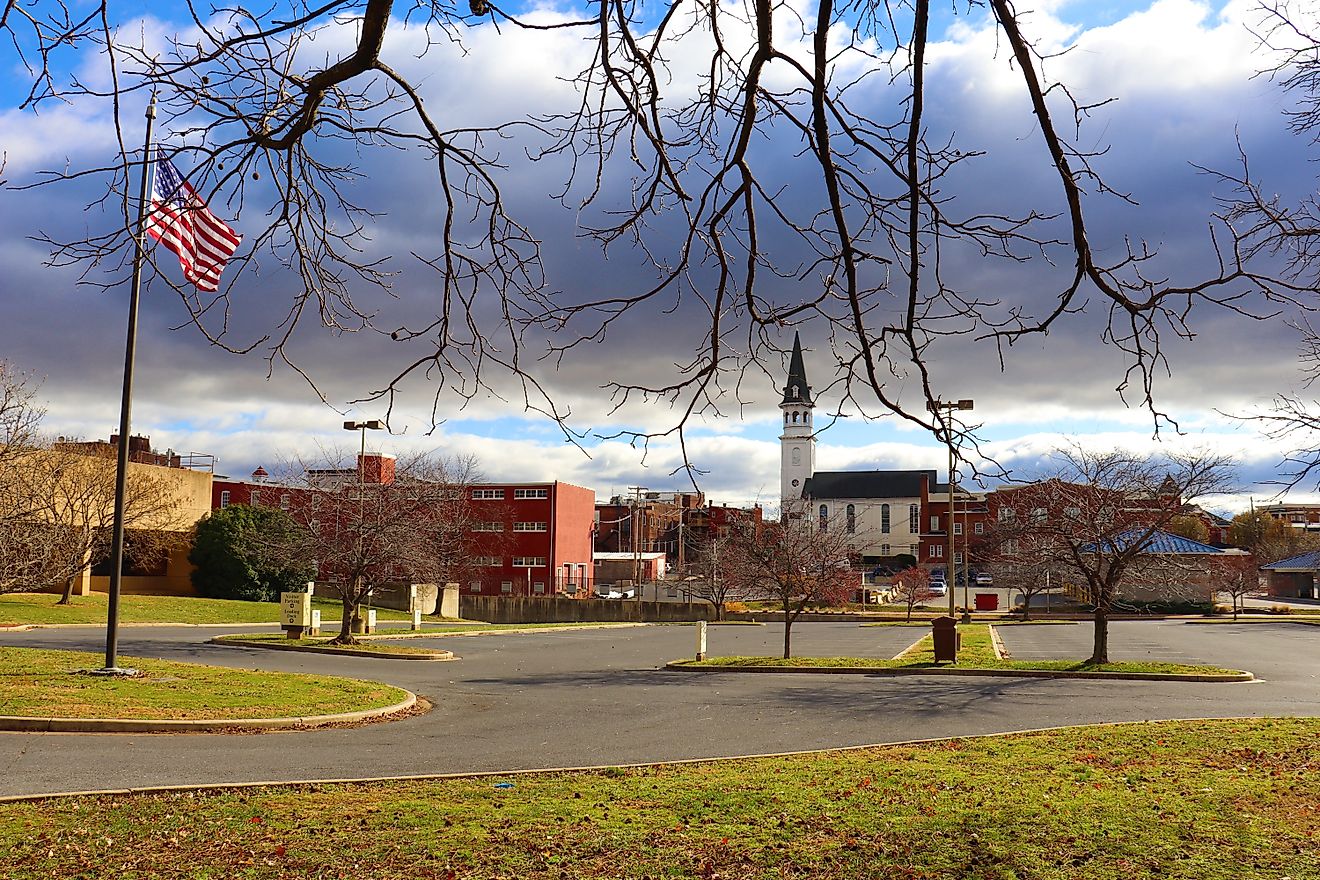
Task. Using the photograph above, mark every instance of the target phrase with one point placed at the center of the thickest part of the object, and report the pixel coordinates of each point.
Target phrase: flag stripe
(181, 221)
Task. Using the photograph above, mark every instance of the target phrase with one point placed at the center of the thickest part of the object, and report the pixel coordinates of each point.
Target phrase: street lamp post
(944, 410)
(363, 427)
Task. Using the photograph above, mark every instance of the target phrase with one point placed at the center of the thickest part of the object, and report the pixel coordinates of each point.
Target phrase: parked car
(984, 580)
(938, 588)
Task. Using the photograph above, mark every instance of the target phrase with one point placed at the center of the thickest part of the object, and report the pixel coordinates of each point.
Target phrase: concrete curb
(174, 725)
(432, 656)
(1001, 653)
(589, 768)
(684, 666)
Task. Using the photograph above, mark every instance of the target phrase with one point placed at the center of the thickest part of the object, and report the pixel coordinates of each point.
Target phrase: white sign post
(701, 640)
(295, 613)
(417, 619)
(371, 620)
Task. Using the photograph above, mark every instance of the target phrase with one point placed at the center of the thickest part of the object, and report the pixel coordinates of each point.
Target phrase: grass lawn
(977, 653)
(1203, 800)
(40, 608)
(365, 646)
(45, 683)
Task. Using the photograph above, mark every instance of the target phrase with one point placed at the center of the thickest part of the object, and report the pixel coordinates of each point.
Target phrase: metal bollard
(701, 640)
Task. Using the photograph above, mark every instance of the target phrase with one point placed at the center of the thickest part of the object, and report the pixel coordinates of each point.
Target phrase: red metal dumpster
(987, 601)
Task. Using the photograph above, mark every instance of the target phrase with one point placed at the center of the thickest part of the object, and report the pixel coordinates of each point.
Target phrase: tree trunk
(788, 630)
(1026, 604)
(67, 597)
(719, 611)
(1100, 651)
(345, 636)
(909, 612)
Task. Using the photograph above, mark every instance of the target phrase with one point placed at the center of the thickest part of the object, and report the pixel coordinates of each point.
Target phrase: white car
(939, 588)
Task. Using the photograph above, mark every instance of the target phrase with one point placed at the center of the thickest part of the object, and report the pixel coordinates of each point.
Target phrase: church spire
(797, 390)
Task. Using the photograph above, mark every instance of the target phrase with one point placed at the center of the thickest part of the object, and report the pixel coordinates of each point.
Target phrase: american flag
(180, 220)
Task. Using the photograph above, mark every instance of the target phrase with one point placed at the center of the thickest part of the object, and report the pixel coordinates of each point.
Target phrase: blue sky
(1183, 74)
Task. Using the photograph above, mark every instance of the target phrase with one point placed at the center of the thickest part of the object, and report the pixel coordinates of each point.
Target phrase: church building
(883, 508)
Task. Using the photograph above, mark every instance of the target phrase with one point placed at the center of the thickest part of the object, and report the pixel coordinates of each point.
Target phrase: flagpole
(125, 415)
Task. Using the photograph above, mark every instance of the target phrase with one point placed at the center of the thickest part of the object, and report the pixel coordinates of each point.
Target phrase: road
(590, 697)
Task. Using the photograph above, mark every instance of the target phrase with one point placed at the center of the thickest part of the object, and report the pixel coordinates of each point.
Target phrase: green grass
(40, 608)
(44, 683)
(1202, 800)
(364, 646)
(977, 653)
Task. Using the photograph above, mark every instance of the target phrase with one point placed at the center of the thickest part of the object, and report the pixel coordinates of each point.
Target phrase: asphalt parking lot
(599, 696)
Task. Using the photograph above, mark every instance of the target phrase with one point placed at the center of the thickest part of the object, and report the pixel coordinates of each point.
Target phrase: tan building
(73, 484)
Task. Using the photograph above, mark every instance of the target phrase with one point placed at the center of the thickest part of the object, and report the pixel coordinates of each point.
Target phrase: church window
(914, 512)
(795, 393)
(785, 418)
(852, 518)
(795, 418)
(824, 517)
(884, 518)
(797, 456)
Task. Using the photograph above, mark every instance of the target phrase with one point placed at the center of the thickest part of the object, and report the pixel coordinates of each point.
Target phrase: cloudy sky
(1185, 78)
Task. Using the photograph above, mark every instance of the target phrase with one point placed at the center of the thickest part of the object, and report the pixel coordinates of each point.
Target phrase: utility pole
(639, 517)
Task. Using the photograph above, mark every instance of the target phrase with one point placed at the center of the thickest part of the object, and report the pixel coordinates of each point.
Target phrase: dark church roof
(867, 484)
(797, 377)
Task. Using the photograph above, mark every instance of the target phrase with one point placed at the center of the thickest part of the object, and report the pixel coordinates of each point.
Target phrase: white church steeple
(797, 445)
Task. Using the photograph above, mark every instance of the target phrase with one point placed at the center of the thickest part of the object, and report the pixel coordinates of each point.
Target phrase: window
(284, 501)
(978, 528)
(1007, 514)
(529, 527)
(506, 586)
(531, 493)
(224, 499)
(488, 560)
(529, 561)
(1039, 515)
(475, 586)
(795, 418)
(884, 549)
(852, 518)
(957, 528)
(1072, 513)
(824, 517)
(914, 518)
(957, 557)
(488, 527)
(487, 494)
(254, 498)
(538, 587)
(797, 456)
(935, 523)
(939, 550)
(884, 519)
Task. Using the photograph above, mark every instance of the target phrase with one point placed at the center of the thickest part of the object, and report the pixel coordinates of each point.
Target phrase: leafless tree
(1096, 515)
(912, 587)
(713, 581)
(680, 163)
(60, 503)
(791, 562)
(365, 530)
(1238, 575)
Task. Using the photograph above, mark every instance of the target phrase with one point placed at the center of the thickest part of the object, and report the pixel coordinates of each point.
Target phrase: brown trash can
(944, 631)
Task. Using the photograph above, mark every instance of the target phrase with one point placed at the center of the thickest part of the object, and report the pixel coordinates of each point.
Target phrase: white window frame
(224, 498)
(506, 587)
(487, 494)
(957, 528)
(978, 528)
(491, 526)
(529, 494)
(531, 527)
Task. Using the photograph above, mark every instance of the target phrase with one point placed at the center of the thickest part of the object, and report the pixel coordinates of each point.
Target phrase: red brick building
(538, 539)
(528, 538)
